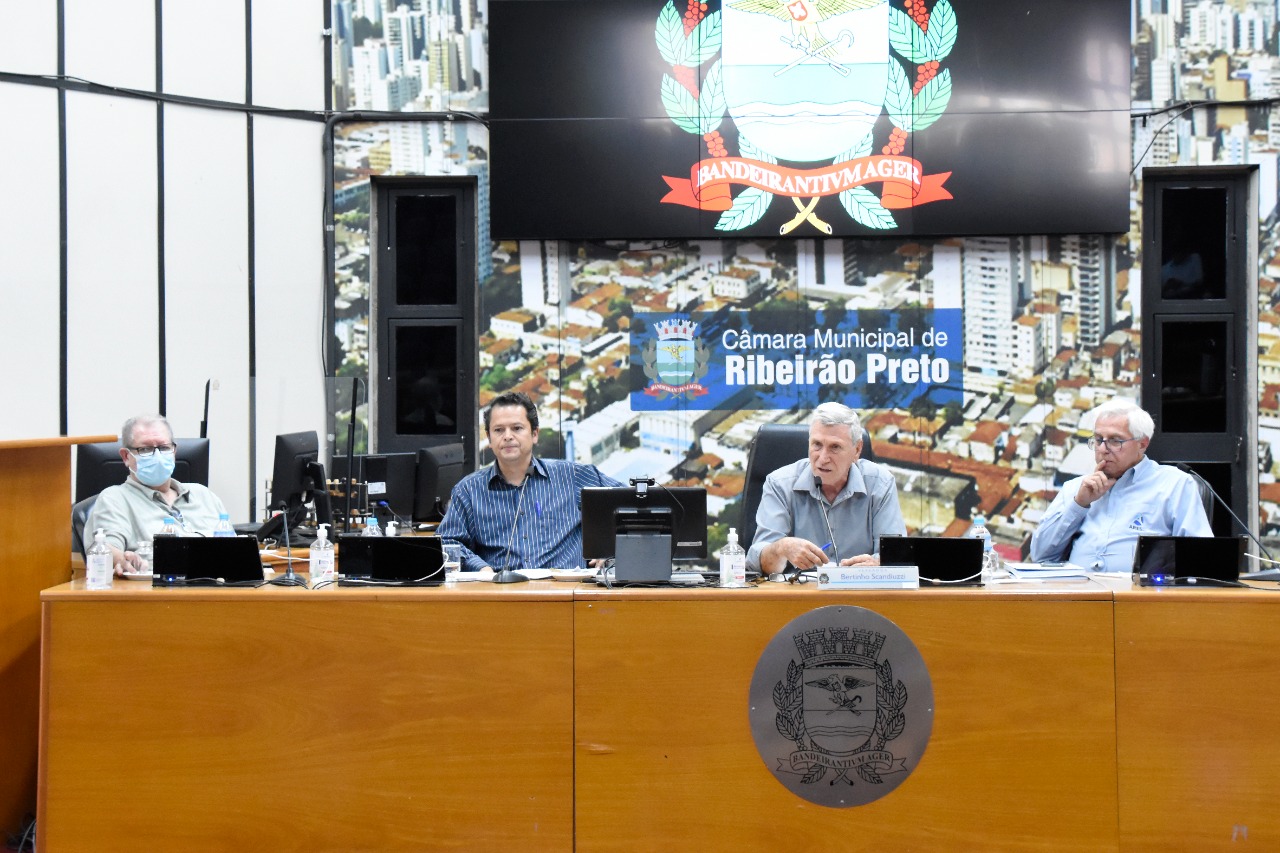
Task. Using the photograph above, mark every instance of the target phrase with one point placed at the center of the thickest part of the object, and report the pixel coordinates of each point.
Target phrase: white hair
(835, 414)
(126, 431)
(1140, 423)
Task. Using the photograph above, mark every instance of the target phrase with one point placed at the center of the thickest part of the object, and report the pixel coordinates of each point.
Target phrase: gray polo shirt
(132, 512)
(865, 509)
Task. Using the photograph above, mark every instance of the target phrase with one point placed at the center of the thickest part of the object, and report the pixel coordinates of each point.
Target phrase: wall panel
(203, 45)
(29, 39)
(207, 287)
(112, 43)
(288, 54)
(30, 348)
(112, 315)
(289, 283)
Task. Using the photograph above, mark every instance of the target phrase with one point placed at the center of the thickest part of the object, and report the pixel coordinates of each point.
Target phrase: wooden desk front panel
(1022, 756)
(285, 721)
(1198, 686)
(35, 553)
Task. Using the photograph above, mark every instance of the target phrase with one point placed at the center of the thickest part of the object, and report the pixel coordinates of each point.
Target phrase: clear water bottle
(223, 527)
(990, 560)
(98, 567)
(371, 527)
(321, 562)
(733, 562)
(170, 527)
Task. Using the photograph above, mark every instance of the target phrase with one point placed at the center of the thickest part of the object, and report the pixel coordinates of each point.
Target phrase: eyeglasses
(148, 452)
(1112, 444)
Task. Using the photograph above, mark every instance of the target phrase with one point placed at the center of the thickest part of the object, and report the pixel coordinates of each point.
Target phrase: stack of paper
(1045, 571)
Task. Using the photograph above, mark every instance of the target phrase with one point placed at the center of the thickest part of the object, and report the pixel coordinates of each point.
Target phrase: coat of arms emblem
(805, 82)
(844, 729)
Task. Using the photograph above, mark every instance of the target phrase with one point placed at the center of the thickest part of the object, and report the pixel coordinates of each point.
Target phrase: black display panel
(632, 119)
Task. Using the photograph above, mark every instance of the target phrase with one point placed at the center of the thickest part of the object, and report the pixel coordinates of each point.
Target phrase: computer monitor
(667, 524)
(439, 470)
(297, 477)
(390, 479)
(99, 465)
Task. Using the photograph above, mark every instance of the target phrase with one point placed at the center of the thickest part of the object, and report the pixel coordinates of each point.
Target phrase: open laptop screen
(213, 560)
(941, 559)
(1160, 559)
(392, 561)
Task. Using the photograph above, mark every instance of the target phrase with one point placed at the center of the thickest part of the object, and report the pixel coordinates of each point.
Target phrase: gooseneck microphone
(822, 505)
(508, 574)
(289, 579)
(1269, 574)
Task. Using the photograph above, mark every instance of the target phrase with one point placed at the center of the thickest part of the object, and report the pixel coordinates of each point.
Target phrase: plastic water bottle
(371, 527)
(170, 527)
(989, 558)
(733, 562)
(98, 563)
(321, 556)
(223, 527)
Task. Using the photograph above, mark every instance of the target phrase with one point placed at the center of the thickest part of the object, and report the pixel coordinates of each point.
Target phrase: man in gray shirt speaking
(833, 497)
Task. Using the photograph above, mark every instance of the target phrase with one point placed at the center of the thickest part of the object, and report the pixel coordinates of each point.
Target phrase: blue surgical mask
(156, 469)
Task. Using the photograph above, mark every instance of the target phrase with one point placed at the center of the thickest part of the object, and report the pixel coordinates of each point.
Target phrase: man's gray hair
(834, 414)
(126, 431)
(1140, 423)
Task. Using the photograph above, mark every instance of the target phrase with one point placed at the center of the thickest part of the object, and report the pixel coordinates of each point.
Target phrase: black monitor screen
(390, 479)
(747, 119)
(290, 481)
(296, 478)
(608, 511)
(99, 465)
(439, 470)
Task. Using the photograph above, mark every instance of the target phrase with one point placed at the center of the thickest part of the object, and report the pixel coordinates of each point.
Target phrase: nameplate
(868, 577)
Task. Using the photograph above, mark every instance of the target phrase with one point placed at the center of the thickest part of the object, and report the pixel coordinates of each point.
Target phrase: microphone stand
(822, 505)
(289, 579)
(1272, 574)
(508, 574)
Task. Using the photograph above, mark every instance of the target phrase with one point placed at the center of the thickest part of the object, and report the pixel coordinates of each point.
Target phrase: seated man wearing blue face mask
(134, 511)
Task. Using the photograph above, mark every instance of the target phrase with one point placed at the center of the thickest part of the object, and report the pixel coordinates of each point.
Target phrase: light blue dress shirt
(866, 509)
(545, 533)
(1149, 498)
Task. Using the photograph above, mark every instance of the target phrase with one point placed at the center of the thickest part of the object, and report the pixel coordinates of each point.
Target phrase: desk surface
(384, 718)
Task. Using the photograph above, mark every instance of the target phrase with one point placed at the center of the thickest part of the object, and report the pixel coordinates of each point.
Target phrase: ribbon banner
(905, 184)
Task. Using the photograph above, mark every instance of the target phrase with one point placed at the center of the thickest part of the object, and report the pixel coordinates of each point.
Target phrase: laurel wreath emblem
(891, 699)
(702, 357)
(923, 38)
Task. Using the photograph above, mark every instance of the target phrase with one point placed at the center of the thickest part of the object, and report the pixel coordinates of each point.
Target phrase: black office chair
(80, 512)
(1206, 491)
(775, 445)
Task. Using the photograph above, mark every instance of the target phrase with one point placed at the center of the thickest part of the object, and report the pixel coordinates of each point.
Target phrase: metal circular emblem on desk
(841, 706)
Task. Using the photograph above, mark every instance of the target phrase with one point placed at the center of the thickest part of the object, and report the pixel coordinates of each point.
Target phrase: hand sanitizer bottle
(733, 562)
(321, 557)
(98, 564)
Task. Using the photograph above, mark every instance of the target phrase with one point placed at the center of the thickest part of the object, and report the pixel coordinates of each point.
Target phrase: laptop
(206, 561)
(942, 560)
(1175, 560)
(390, 561)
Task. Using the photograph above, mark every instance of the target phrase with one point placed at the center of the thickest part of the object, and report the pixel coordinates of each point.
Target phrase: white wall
(203, 223)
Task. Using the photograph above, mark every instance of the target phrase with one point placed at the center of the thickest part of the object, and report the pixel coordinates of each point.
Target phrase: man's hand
(862, 560)
(1094, 486)
(125, 561)
(800, 553)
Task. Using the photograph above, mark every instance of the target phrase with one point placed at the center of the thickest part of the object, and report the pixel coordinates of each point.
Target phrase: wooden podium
(35, 553)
